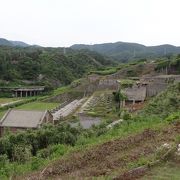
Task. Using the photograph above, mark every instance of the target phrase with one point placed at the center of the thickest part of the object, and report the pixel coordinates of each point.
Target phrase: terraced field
(99, 104)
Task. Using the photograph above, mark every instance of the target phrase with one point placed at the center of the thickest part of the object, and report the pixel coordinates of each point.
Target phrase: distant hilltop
(5, 42)
(125, 51)
(119, 51)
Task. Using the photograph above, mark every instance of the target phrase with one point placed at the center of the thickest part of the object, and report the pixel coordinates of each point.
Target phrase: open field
(37, 105)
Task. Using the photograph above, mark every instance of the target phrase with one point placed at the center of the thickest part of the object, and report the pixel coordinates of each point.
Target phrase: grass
(2, 113)
(164, 171)
(61, 90)
(105, 72)
(85, 143)
(37, 105)
(137, 125)
(7, 100)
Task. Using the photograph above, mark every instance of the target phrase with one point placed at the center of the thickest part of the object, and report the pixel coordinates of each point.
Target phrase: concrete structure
(109, 84)
(67, 110)
(28, 91)
(15, 120)
(135, 94)
(157, 84)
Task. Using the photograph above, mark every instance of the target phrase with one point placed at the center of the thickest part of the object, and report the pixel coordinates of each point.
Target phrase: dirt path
(110, 157)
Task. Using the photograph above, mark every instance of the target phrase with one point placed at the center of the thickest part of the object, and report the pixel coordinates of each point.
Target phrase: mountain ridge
(5, 42)
(125, 51)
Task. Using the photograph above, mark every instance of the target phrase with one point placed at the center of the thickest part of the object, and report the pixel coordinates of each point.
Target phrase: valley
(103, 124)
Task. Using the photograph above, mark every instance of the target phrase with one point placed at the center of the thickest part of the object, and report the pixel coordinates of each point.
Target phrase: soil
(110, 159)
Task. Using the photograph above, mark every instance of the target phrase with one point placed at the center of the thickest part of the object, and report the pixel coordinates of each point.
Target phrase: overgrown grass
(97, 136)
(85, 143)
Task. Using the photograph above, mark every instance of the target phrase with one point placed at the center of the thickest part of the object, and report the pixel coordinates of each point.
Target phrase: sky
(62, 23)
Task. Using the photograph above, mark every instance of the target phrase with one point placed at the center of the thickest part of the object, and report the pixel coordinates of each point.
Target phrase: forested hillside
(5, 42)
(123, 51)
(53, 66)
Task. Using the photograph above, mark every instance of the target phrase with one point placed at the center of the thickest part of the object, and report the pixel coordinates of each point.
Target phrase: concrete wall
(155, 88)
(48, 118)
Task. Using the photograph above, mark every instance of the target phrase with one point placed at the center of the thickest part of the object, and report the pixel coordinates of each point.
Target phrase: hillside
(46, 66)
(19, 43)
(5, 42)
(123, 51)
(127, 151)
(93, 134)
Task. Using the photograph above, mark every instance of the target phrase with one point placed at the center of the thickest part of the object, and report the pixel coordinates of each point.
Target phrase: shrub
(21, 153)
(36, 163)
(173, 117)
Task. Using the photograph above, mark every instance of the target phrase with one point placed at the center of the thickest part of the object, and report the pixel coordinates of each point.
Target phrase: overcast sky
(66, 22)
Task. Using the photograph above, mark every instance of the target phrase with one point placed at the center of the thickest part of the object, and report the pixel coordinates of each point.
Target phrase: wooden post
(21, 93)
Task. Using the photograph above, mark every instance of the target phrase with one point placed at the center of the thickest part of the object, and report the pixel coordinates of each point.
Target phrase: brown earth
(110, 159)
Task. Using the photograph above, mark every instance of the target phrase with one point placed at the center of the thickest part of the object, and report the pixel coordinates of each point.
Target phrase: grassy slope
(137, 126)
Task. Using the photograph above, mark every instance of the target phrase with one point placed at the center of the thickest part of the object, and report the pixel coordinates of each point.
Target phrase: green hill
(4, 42)
(53, 66)
(123, 51)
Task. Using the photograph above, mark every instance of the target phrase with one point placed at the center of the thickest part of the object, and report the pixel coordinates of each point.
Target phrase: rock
(114, 123)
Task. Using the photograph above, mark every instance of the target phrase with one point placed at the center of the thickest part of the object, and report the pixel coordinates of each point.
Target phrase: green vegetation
(38, 105)
(32, 150)
(171, 65)
(126, 83)
(2, 113)
(104, 72)
(165, 103)
(7, 100)
(46, 66)
(167, 170)
(124, 52)
(39, 147)
(22, 146)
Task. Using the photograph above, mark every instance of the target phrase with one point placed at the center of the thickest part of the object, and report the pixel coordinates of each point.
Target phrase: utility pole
(134, 53)
(64, 51)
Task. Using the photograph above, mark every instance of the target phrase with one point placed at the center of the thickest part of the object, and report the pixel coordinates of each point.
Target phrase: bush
(3, 161)
(21, 146)
(21, 153)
